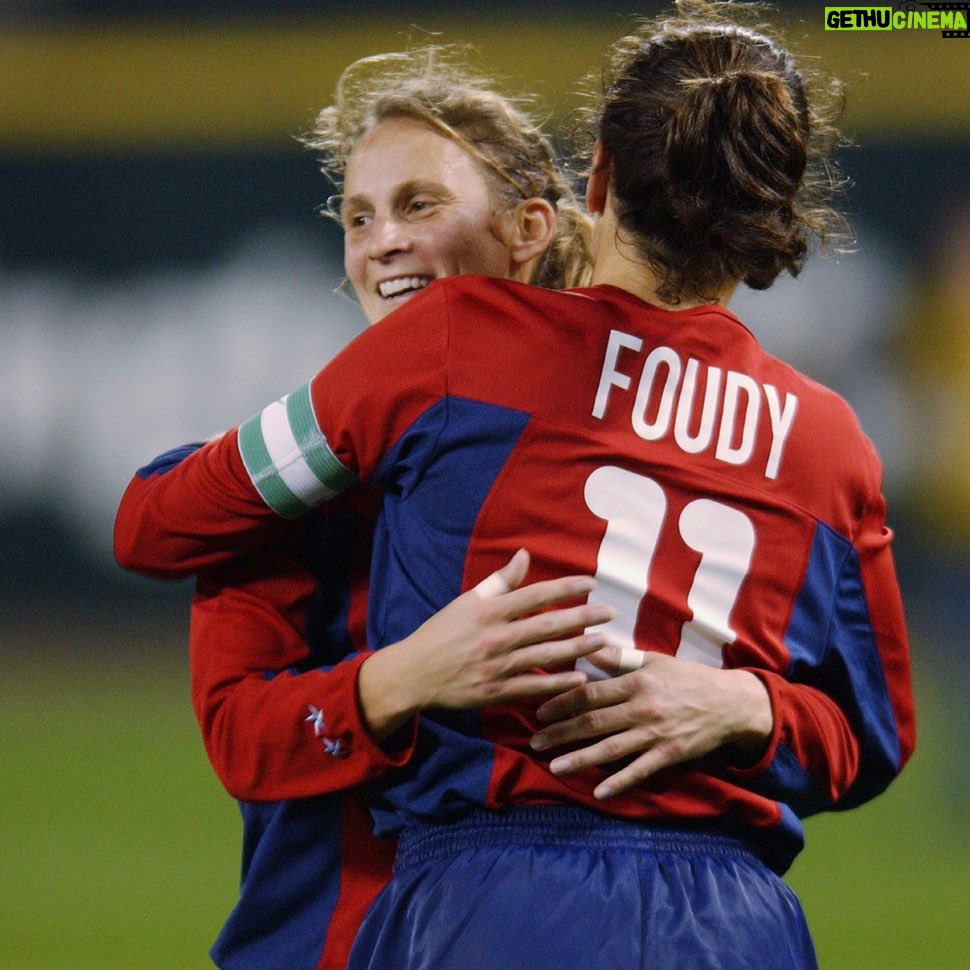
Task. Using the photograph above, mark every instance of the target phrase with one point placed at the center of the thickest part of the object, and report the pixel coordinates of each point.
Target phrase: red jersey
(276, 638)
(729, 506)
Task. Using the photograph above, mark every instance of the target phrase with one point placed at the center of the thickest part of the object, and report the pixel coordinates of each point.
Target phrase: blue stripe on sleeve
(166, 461)
(832, 644)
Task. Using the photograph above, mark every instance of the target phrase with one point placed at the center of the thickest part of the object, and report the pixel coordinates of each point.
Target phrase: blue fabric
(448, 774)
(293, 850)
(565, 889)
(455, 451)
(290, 885)
(845, 662)
(166, 461)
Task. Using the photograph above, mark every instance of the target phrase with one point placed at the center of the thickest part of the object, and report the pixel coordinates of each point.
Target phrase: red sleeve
(844, 715)
(206, 509)
(196, 514)
(362, 403)
(271, 732)
(812, 728)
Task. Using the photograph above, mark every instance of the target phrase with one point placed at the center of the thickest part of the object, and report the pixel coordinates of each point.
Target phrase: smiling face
(416, 207)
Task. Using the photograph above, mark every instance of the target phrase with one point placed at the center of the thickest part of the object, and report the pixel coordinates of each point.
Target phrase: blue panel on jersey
(328, 555)
(831, 642)
(787, 782)
(290, 885)
(166, 461)
(455, 451)
(447, 776)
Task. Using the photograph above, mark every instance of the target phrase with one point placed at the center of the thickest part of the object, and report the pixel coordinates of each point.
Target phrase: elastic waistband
(554, 825)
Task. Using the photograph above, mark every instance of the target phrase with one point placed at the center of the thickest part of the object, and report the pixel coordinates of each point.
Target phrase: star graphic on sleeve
(335, 748)
(316, 719)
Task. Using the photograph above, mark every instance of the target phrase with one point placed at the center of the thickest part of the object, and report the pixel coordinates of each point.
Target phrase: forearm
(295, 736)
(844, 708)
(385, 691)
(272, 732)
(195, 514)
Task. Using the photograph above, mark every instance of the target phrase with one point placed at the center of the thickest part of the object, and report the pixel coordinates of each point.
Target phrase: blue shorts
(568, 889)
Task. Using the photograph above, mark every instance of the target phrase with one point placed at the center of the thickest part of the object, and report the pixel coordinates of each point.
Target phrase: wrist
(753, 717)
(384, 694)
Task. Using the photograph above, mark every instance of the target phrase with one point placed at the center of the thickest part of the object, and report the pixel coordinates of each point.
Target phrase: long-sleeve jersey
(278, 630)
(730, 508)
(281, 629)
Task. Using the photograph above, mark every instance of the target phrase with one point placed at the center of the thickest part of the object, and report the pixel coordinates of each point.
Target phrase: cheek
(354, 263)
(480, 251)
(493, 256)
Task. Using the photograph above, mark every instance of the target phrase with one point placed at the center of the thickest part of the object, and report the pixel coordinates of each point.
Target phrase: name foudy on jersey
(690, 407)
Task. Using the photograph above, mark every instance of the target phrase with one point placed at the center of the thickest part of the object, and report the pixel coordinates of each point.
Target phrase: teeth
(403, 284)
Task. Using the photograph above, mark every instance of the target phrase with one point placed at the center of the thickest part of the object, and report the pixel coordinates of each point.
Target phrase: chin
(389, 306)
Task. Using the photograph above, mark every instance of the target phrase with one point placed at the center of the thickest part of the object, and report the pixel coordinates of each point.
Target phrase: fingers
(520, 677)
(651, 758)
(517, 601)
(607, 750)
(616, 661)
(630, 659)
(509, 577)
(537, 596)
(552, 654)
(537, 685)
(635, 773)
(554, 624)
(606, 661)
(592, 696)
(593, 724)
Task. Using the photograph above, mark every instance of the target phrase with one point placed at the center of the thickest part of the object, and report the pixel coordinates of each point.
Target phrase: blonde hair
(433, 84)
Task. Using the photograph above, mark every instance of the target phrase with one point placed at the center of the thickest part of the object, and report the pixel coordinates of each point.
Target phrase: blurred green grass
(118, 848)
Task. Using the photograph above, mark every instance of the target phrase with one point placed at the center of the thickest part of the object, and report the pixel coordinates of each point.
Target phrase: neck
(616, 263)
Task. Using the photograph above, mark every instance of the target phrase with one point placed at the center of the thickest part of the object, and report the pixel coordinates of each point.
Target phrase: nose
(387, 237)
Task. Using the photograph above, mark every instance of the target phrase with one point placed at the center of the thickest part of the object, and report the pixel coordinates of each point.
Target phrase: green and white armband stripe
(288, 458)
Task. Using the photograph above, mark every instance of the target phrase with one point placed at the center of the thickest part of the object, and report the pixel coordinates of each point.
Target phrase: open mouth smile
(402, 285)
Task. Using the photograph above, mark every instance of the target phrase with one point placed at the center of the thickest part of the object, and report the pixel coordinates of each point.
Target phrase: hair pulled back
(717, 152)
(432, 84)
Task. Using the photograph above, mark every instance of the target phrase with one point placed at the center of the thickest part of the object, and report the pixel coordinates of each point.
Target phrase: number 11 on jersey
(634, 508)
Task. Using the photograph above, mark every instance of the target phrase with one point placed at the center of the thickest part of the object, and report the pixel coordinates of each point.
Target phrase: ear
(597, 187)
(533, 229)
(533, 226)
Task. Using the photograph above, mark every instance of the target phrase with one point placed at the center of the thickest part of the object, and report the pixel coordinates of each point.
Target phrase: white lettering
(781, 422)
(685, 408)
(736, 385)
(668, 401)
(656, 429)
(610, 376)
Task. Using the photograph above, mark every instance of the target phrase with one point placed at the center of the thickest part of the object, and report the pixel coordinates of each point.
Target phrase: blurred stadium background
(163, 272)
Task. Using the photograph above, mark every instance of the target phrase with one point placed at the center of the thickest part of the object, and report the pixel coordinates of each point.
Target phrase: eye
(356, 220)
(350, 214)
(420, 206)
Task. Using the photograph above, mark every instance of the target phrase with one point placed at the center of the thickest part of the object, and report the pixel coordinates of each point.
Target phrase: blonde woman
(439, 175)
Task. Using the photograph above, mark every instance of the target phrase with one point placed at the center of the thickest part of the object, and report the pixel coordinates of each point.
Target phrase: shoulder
(501, 303)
